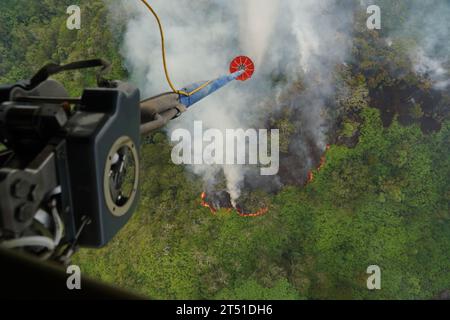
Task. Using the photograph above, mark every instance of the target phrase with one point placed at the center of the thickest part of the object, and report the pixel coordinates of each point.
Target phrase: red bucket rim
(243, 63)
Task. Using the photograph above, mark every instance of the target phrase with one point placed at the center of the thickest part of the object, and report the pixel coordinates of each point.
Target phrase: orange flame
(310, 177)
(258, 213)
(213, 210)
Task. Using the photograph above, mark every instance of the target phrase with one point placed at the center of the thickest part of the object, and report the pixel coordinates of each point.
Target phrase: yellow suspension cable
(163, 51)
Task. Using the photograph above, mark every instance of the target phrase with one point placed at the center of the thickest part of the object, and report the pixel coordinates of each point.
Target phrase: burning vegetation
(218, 200)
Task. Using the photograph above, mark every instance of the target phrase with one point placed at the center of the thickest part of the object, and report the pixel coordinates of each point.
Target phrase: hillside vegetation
(383, 199)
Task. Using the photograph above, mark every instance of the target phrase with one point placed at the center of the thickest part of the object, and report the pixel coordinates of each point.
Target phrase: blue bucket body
(207, 90)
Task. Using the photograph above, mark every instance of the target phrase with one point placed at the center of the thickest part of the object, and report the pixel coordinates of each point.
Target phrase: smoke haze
(289, 41)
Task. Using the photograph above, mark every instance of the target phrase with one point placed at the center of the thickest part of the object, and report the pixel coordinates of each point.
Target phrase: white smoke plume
(427, 25)
(432, 68)
(290, 39)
